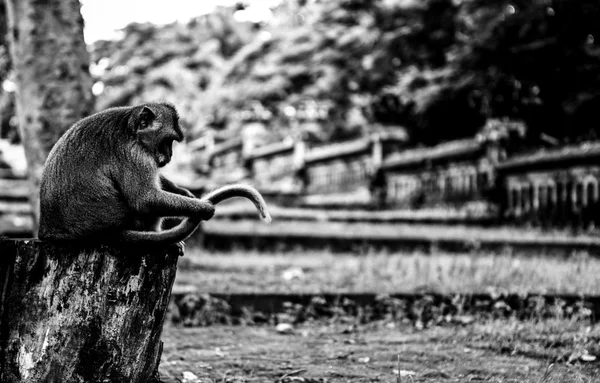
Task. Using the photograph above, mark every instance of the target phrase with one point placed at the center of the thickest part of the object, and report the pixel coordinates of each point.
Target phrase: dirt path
(341, 353)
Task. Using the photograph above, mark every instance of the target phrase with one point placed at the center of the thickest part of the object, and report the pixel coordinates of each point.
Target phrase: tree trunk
(70, 313)
(51, 64)
(4, 61)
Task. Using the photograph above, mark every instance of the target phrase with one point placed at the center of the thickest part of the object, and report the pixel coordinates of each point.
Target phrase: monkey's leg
(170, 223)
(168, 185)
(181, 248)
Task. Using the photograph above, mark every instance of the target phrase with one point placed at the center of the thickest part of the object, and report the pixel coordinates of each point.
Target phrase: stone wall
(338, 174)
(272, 169)
(554, 197)
(447, 184)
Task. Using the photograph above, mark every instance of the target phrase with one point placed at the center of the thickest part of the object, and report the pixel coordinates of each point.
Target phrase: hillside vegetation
(439, 68)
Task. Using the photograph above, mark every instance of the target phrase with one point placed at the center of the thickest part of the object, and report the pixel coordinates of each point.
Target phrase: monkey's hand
(207, 210)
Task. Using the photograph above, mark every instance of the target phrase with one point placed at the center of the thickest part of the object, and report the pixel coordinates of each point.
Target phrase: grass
(555, 339)
(318, 272)
(537, 350)
(501, 351)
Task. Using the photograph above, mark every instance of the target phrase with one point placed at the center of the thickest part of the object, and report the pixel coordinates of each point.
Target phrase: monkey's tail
(176, 234)
(240, 190)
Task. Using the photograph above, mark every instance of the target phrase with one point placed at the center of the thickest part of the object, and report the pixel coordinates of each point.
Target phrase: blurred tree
(51, 68)
(348, 52)
(4, 56)
(7, 110)
(535, 61)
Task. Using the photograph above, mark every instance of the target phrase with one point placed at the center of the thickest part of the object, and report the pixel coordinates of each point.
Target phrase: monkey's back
(79, 198)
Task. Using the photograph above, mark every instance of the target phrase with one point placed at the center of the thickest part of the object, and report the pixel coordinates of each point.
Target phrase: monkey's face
(157, 128)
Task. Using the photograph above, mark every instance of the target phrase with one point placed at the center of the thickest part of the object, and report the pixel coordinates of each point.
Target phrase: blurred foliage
(531, 60)
(440, 68)
(175, 62)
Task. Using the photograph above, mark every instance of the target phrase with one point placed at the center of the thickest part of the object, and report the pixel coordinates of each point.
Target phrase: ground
(555, 347)
(495, 351)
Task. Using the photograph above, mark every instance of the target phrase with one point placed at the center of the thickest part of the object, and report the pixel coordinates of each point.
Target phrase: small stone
(284, 328)
(404, 373)
(293, 273)
(588, 358)
(190, 377)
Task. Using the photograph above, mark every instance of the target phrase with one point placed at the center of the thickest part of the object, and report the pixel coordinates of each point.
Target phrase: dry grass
(556, 339)
(314, 272)
(495, 350)
(499, 351)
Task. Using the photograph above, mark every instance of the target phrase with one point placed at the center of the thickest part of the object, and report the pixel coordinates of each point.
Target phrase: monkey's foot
(181, 248)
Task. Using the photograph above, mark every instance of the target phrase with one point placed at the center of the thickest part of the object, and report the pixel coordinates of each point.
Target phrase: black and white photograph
(299, 191)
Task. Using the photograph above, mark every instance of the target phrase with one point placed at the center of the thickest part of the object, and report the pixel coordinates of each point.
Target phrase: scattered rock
(219, 353)
(404, 373)
(293, 273)
(587, 357)
(189, 377)
(284, 328)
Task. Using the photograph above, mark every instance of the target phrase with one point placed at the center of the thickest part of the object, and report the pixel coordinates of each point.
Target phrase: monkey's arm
(142, 192)
(169, 186)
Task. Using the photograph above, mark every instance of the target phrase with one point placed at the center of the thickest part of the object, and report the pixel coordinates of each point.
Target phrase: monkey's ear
(145, 118)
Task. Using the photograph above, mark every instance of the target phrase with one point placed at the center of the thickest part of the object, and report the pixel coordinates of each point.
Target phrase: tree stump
(77, 313)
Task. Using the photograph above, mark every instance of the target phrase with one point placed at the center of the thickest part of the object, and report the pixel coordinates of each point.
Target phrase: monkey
(100, 181)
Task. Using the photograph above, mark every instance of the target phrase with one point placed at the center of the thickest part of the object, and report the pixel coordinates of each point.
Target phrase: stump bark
(74, 313)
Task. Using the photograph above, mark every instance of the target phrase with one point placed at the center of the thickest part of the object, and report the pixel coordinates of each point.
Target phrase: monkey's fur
(101, 181)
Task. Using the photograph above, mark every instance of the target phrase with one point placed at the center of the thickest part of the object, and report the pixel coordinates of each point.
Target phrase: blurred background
(412, 153)
(406, 73)
(442, 108)
(367, 124)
